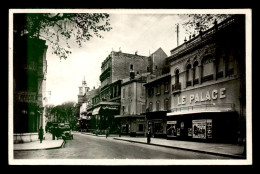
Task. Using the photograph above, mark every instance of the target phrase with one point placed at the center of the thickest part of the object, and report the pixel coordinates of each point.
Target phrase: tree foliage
(59, 29)
(67, 112)
(202, 22)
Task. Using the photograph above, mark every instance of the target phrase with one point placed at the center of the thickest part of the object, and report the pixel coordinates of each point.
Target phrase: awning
(96, 111)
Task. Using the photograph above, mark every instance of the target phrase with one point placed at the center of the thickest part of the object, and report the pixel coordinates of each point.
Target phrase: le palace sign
(202, 96)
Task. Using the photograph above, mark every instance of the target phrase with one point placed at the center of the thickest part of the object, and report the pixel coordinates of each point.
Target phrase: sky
(144, 33)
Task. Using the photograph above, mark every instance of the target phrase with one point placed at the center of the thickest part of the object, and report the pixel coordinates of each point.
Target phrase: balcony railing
(207, 78)
(176, 87)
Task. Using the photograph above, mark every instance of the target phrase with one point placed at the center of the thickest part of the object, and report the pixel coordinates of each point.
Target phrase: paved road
(92, 147)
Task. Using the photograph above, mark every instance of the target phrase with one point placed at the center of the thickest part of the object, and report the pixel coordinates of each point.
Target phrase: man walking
(41, 134)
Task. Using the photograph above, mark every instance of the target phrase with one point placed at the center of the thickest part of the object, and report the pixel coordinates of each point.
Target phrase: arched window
(195, 73)
(207, 68)
(230, 65)
(131, 67)
(188, 75)
(177, 76)
(220, 67)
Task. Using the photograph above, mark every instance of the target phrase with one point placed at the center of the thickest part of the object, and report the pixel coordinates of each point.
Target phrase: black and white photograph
(130, 87)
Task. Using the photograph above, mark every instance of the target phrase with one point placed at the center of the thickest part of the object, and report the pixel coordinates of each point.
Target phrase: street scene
(104, 84)
(109, 148)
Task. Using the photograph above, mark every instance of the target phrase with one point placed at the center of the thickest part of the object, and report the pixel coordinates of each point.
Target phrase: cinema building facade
(208, 85)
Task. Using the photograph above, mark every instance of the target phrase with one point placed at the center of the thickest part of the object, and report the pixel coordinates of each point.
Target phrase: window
(196, 73)
(123, 92)
(207, 69)
(230, 66)
(143, 108)
(158, 90)
(123, 109)
(157, 105)
(150, 106)
(147, 69)
(140, 127)
(188, 75)
(166, 87)
(166, 104)
(131, 67)
(150, 92)
(177, 76)
(129, 109)
(129, 91)
(143, 91)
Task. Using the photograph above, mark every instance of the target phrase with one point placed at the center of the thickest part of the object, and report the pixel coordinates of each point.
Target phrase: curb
(48, 148)
(193, 150)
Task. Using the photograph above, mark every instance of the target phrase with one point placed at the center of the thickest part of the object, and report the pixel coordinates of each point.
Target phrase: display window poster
(199, 128)
(209, 128)
(182, 125)
(178, 132)
(190, 132)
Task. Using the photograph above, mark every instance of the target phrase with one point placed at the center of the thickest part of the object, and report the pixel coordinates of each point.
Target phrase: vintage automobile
(66, 132)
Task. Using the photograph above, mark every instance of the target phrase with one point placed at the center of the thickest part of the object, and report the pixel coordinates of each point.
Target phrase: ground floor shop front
(204, 126)
(156, 122)
(133, 125)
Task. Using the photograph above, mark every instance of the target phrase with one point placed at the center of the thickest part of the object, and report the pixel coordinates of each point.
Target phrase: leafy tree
(58, 29)
(202, 22)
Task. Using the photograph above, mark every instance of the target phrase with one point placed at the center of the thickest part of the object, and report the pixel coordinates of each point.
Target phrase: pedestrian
(41, 134)
(149, 136)
(53, 133)
(106, 133)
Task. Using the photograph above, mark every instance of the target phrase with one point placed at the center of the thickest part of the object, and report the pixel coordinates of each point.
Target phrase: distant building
(83, 97)
(208, 101)
(29, 85)
(114, 68)
(133, 107)
(158, 93)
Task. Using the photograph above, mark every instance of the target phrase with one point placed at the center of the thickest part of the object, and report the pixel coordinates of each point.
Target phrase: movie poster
(199, 128)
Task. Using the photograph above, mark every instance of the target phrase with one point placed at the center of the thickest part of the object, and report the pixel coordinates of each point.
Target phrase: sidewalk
(48, 143)
(228, 150)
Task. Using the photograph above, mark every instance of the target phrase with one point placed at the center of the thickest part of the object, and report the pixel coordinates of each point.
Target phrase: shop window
(158, 106)
(140, 127)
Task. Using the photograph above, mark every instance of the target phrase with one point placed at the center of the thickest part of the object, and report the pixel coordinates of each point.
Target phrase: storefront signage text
(200, 97)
